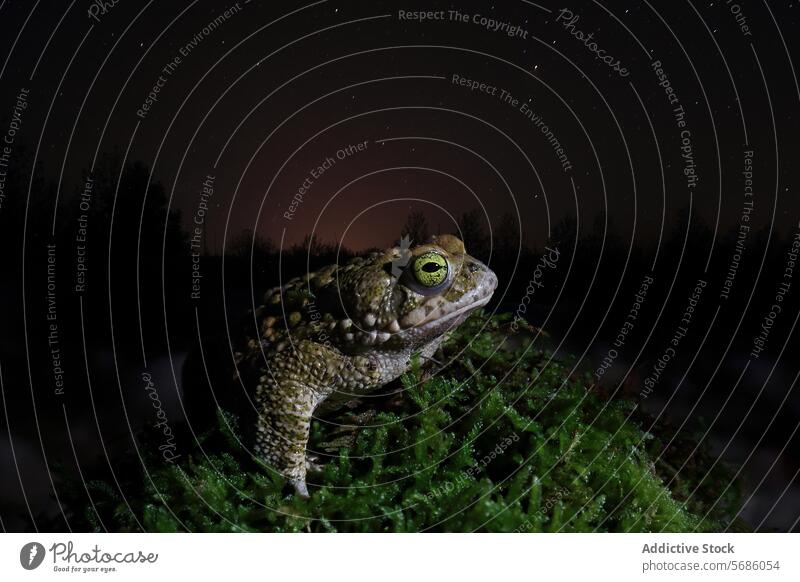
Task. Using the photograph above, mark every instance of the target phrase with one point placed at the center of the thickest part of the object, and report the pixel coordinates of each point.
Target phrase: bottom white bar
(389, 557)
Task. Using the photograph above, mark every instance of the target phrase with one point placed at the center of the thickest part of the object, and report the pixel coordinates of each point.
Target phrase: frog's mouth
(426, 321)
(437, 318)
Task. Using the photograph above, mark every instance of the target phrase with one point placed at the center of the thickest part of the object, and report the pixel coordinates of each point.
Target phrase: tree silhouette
(245, 242)
(416, 227)
(473, 234)
(507, 235)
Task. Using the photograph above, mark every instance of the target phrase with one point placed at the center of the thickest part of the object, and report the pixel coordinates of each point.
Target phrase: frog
(326, 338)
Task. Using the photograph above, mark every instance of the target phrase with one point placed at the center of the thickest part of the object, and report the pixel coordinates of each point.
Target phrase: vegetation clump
(496, 435)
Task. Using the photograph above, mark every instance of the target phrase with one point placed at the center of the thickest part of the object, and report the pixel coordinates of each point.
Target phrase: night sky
(666, 132)
(260, 96)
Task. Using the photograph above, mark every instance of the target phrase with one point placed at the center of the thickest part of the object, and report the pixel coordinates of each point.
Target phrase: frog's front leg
(293, 384)
(285, 408)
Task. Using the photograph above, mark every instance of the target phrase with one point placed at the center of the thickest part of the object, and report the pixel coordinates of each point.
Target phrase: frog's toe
(313, 466)
(300, 487)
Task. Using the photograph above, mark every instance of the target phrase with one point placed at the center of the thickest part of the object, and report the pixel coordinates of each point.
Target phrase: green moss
(500, 440)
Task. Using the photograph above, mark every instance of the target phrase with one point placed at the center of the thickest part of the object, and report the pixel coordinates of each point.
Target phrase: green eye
(430, 269)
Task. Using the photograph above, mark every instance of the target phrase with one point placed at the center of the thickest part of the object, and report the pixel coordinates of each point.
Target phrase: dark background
(274, 90)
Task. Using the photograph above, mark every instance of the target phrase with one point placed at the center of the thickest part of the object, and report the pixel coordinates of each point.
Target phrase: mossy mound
(502, 439)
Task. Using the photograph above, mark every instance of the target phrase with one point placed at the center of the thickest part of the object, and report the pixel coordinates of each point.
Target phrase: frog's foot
(298, 481)
(300, 487)
(313, 465)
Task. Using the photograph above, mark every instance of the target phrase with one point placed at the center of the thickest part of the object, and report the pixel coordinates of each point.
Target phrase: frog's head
(401, 298)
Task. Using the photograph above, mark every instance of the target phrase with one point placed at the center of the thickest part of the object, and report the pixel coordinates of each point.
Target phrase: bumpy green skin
(344, 331)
